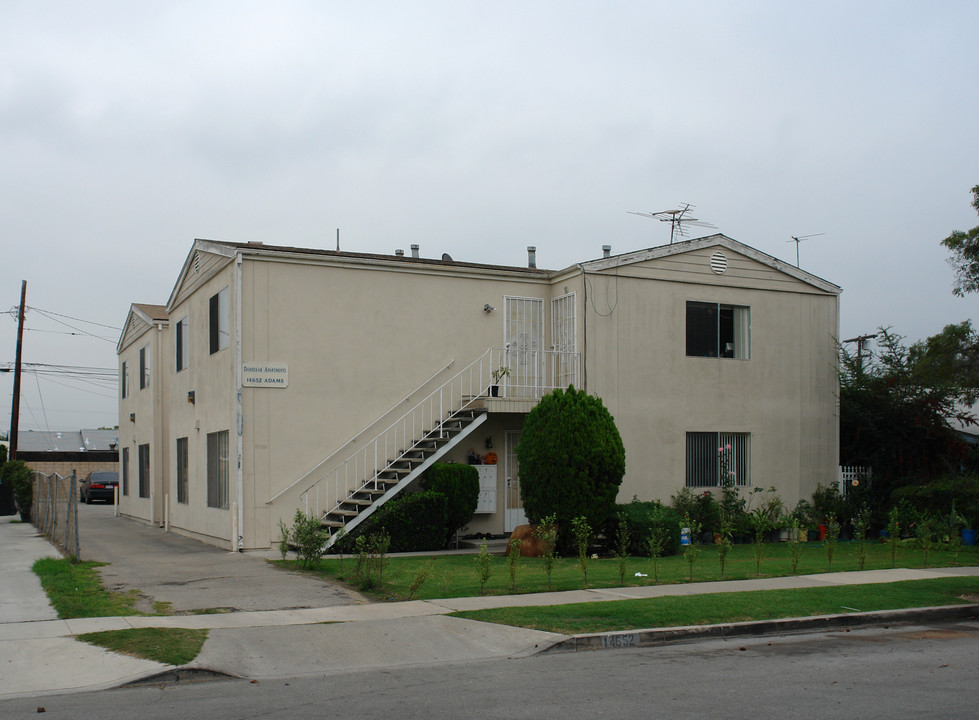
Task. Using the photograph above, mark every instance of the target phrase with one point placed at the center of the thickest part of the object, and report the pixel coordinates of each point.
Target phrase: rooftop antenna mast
(798, 240)
(678, 219)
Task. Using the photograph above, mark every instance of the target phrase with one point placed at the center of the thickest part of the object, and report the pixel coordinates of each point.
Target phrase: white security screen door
(514, 513)
(523, 333)
(563, 337)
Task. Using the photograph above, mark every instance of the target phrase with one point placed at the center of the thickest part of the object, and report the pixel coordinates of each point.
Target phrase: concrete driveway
(191, 575)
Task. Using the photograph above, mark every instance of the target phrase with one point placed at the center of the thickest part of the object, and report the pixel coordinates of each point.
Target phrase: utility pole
(860, 340)
(15, 410)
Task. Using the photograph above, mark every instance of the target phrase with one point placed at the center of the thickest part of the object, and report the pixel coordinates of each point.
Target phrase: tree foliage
(897, 406)
(571, 460)
(964, 247)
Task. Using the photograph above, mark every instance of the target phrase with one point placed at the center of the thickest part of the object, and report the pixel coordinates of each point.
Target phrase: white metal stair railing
(329, 488)
(428, 421)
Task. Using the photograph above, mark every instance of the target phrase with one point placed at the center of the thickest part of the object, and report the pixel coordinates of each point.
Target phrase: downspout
(237, 543)
(160, 428)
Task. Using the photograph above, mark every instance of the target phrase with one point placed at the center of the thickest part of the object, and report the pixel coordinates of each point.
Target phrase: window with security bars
(713, 454)
(182, 466)
(125, 471)
(217, 470)
(144, 471)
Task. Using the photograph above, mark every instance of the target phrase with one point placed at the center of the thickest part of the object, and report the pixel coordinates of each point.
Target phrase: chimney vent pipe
(531, 256)
(606, 251)
(414, 250)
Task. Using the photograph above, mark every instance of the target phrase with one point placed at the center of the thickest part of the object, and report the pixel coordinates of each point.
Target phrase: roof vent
(606, 251)
(399, 253)
(532, 257)
(718, 263)
(446, 257)
(414, 250)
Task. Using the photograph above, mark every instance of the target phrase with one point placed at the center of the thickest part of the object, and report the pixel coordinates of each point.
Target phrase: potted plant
(501, 372)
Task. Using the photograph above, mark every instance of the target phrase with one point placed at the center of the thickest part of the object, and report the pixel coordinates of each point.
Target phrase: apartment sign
(264, 374)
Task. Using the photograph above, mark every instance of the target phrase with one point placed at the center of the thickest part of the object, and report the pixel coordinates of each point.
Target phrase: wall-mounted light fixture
(132, 417)
(487, 308)
(190, 396)
(489, 442)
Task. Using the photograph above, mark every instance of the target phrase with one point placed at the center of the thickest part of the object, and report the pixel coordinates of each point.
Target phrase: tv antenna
(798, 240)
(677, 219)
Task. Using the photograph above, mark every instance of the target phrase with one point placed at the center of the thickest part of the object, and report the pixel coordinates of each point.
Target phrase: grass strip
(75, 590)
(451, 576)
(170, 646)
(713, 608)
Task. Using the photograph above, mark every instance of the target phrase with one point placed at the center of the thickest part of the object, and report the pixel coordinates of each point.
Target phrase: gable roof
(141, 317)
(716, 240)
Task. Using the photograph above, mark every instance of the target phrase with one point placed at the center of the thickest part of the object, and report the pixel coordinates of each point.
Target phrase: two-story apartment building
(279, 378)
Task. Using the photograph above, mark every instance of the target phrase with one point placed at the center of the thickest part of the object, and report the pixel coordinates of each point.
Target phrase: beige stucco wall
(150, 426)
(784, 395)
(358, 335)
(357, 339)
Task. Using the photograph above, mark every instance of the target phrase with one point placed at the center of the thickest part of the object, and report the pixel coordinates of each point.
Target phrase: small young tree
(546, 534)
(582, 535)
(894, 532)
(484, 567)
(832, 535)
(654, 549)
(622, 540)
(861, 522)
(795, 545)
(691, 551)
(513, 559)
(572, 461)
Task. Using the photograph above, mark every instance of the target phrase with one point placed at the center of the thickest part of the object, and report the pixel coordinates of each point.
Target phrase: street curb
(783, 626)
(180, 675)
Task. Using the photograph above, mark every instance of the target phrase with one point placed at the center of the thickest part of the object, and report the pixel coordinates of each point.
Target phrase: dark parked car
(99, 485)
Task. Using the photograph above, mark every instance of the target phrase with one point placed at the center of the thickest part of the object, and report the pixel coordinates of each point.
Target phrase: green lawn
(455, 575)
(75, 590)
(677, 611)
(172, 646)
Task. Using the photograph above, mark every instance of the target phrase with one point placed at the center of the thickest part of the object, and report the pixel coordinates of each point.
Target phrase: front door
(514, 513)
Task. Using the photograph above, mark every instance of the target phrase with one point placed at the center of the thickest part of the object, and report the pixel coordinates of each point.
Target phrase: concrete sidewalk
(38, 654)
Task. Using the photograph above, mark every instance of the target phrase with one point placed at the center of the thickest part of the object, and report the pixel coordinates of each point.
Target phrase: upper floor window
(124, 379)
(716, 330)
(144, 367)
(183, 348)
(219, 321)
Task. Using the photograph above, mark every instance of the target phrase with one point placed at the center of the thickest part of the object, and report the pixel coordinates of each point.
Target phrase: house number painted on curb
(264, 374)
(620, 641)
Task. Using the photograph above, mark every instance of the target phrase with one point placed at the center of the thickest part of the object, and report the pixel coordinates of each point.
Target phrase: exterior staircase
(400, 472)
(345, 492)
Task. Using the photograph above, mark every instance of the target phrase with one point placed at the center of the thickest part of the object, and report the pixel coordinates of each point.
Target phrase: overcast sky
(128, 129)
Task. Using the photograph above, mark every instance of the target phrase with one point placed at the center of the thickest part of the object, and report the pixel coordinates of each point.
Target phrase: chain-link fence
(54, 510)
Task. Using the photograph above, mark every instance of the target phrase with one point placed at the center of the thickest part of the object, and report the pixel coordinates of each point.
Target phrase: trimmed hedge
(415, 522)
(460, 485)
(571, 461)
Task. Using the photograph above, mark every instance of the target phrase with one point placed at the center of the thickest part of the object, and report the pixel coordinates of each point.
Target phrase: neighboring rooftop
(67, 440)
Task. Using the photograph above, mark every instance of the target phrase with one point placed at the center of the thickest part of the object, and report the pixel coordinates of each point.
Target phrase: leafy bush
(17, 475)
(700, 507)
(308, 536)
(415, 522)
(460, 485)
(939, 496)
(645, 518)
(571, 461)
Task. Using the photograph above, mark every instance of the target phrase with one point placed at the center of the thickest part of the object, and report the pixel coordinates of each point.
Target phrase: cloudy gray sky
(127, 129)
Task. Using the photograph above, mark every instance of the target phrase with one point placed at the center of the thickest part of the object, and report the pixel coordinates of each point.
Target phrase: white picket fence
(851, 476)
